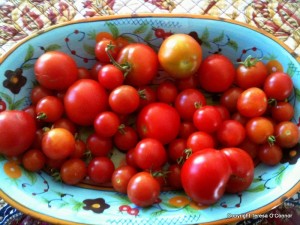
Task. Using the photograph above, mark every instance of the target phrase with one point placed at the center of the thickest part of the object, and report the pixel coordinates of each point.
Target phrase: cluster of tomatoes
(198, 127)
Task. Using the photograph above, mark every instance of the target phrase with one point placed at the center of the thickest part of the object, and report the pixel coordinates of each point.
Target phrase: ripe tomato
(252, 102)
(278, 85)
(143, 63)
(100, 50)
(124, 99)
(287, 134)
(110, 77)
(207, 118)
(200, 140)
(100, 170)
(242, 167)
(121, 176)
(159, 121)
(58, 143)
(216, 73)
(176, 150)
(38, 92)
(17, 130)
(84, 100)
(167, 92)
(99, 145)
(282, 111)
(180, 55)
(65, 123)
(186, 129)
(270, 154)
(231, 133)
(229, 98)
(33, 160)
(173, 176)
(143, 189)
(251, 73)
(106, 124)
(55, 70)
(49, 109)
(149, 154)
(202, 180)
(73, 171)
(188, 101)
(147, 95)
(260, 130)
(125, 139)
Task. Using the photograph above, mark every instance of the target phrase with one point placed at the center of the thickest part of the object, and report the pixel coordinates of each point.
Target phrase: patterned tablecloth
(20, 18)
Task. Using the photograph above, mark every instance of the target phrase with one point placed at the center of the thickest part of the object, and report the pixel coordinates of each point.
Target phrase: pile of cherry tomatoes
(182, 122)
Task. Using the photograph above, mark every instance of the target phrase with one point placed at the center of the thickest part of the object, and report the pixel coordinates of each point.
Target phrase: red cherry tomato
(56, 70)
(73, 171)
(121, 176)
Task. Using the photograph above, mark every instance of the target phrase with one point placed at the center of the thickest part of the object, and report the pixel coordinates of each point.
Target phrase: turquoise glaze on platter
(39, 195)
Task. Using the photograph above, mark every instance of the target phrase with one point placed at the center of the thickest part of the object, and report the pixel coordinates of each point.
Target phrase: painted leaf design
(29, 53)
(257, 188)
(7, 98)
(149, 36)
(32, 177)
(89, 49)
(205, 35)
(278, 179)
(128, 38)
(206, 44)
(219, 38)
(27, 66)
(233, 45)
(141, 29)
(113, 29)
(92, 35)
(18, 104)
(297, 93)
(53, 47)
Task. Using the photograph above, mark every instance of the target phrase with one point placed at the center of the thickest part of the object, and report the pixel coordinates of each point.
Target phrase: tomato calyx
(250, 61)
(125, 67)
(41, 116)
(188, 152)
(271, 140)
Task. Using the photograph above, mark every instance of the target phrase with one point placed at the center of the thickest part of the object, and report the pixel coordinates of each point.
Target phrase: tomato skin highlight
(180, 56)
(196, 176)
(17, 130)
(83, 105)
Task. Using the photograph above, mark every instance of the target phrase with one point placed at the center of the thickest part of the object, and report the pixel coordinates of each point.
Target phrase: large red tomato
(84, 100)
(180, 55)
(17, 129)
(204, 176)
(159, 121)
(56, 70)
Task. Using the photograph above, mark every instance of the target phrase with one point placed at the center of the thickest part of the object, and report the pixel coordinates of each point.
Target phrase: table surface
(20, 18)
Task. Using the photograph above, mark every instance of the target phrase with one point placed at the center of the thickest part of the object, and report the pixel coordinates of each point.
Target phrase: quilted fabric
(20, 18)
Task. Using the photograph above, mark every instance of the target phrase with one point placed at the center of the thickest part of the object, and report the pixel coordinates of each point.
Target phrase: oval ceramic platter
(39, 195)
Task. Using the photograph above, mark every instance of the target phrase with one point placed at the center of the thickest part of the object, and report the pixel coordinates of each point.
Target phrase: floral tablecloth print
(20, 18)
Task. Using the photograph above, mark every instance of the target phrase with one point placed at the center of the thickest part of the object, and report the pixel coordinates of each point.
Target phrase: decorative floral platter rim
(85, 203)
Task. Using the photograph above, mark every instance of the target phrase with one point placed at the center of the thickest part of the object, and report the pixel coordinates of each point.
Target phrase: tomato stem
(125, 67)
(271, 140)
(250, 61)
(41, 116)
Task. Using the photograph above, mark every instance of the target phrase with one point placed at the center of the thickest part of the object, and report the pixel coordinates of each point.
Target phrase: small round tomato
(33, 160)
(231, 133)
(202, 180)
(49, 109)
(251, 73)
(58, 143)
(260, 130)
(84, 73)
(143, 189)
(100, 170)
(207, 118)
(84, 100)
(73, 171)
(149, 154)
(110, 77)
(124, 99)
(17, 130)
(125, 139)
(106, 124)
(278, 86)
(159, 121)
(270, 154)
(186, 129)
(55, 70)
(173, 176)
(167, 92)
(216, 73)
(229, 98)
(101, 50)
(176, 150)
(121, 176)
(200, 140)
(188, 101)
(98, 145)
(282, 111)
(38, 92)
(252, 102)
(180, 55)
(287, 134)
(65, 123)
(141, 60)
(242, 167)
